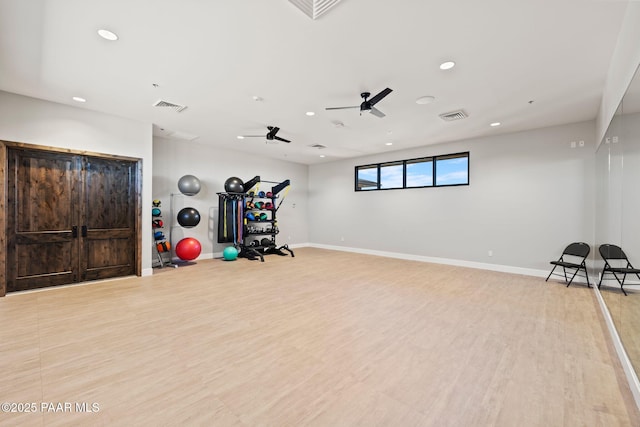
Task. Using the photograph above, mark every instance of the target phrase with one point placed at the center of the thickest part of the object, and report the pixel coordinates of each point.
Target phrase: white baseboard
(630, 373)
(436, 260)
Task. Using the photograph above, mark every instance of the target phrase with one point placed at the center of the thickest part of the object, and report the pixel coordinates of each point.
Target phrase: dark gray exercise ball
(234, 185)
(188, 217)
(189, 185)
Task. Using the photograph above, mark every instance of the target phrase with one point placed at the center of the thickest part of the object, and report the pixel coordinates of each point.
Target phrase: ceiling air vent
(165, 104)
(454, 115)
(318, 146)
(314, 8)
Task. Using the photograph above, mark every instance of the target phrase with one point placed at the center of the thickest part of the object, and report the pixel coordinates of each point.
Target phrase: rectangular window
(367, 177)
(391, 175)
(420, 172)
(452, 169)
(435, 171)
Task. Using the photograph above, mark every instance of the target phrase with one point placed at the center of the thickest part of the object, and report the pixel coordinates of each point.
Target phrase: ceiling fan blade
(252, 136)
(377, 98)
(281, 139)
(376, 112)
(341, 108)
(272, 132)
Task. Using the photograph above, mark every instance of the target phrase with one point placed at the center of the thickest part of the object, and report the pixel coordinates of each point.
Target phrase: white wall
(173, 159)
(530, 195)
(34, 121)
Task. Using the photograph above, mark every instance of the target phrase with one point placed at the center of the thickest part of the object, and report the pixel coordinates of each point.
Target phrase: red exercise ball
(188, 249)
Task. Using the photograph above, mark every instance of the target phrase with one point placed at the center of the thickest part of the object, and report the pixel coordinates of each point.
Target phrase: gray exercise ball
(189, 185)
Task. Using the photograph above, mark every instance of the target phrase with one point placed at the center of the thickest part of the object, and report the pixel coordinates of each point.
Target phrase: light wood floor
(625, 312)
(323, 339)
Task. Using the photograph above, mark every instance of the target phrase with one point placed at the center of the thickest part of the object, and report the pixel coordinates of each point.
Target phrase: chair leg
(552, 270)
(622, 284)
(574, 275)
(586, 275)
(604, 270)
(565, 275)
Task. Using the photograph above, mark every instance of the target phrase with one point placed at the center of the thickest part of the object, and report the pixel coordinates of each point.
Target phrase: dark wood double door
(70, 218)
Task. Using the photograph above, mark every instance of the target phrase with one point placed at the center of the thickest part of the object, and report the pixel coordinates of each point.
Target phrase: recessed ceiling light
(425, 100)
(257, 98)
(108, 35)
(447, 65)
(79, 99)
(388, 143)
(494, 124)
(322, 155)
(240, 137)
(310, 113)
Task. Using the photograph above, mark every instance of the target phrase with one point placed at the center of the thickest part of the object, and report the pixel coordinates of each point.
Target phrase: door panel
(42, 208)
(108, 212)
(69, 218)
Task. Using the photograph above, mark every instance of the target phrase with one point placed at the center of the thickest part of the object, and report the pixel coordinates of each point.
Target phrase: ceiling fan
(368, 105)
(271, 135)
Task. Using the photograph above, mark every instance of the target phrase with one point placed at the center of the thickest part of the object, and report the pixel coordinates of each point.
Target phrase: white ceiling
(214, 56)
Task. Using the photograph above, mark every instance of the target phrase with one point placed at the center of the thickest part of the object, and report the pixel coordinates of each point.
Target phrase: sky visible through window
(452, 171)
(432, 171)
(368, 178)
(420, 174)
(391, 176)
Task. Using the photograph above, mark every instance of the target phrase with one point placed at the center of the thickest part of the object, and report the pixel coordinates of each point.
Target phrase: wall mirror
(618, 214)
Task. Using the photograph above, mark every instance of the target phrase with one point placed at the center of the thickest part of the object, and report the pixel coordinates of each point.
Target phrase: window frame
(432, 159)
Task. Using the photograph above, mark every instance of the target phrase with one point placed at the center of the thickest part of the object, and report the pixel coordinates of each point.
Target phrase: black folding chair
(614, 257)
(572, 259)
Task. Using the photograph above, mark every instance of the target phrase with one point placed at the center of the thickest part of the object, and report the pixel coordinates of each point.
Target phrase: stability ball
(189, 185)
(188, 217)
(230, 253)
(234, 185)
(188, 249)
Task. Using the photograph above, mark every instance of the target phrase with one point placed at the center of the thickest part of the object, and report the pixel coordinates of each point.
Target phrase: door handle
(74, 231)
(84, 231)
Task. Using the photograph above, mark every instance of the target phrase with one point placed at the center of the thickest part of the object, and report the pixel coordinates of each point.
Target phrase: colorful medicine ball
(234, 185)
(188, 217)
(163, 247)
(156, 203)
(268, 205)
(261, 194)
(189, 185)
(263, 216)
(258, 205)
(157, 223)
(156, 212)
(251, 216)
(269, 194)
(158, 235)
(188, 249)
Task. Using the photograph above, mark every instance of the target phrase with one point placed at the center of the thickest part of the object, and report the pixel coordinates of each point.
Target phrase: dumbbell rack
(253, 246)
(250, 224)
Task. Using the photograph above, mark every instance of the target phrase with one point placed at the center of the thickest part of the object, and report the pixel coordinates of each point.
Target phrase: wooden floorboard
(323, 339)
